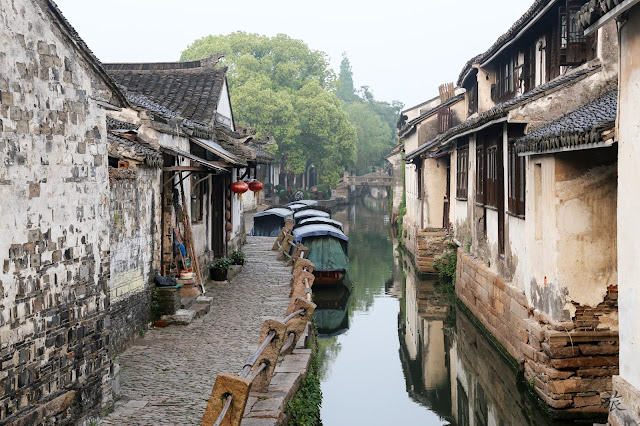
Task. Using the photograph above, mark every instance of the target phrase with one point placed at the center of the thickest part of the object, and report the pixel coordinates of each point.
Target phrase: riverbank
(167, 374)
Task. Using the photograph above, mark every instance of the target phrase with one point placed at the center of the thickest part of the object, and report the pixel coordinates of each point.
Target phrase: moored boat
(317, 219)
(268, 223)
(327, 250)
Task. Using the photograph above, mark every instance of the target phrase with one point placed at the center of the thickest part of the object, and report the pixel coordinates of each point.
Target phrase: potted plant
(238, 257)
(219, 267)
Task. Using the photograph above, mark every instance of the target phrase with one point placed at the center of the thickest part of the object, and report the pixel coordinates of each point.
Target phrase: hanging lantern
(239, 187)
(256, 186)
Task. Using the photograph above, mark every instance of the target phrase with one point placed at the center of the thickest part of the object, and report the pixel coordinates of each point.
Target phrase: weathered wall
(55, 246)
(628, 205)
(435, 190)
(571, 368)
(135, 251)
(398, 171)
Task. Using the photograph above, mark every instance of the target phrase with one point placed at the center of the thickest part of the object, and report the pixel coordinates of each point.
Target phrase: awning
(201, 161)
(218, 150)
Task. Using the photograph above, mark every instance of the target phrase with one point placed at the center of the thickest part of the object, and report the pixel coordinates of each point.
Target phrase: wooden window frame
(507, 78)
(419, 178)
(480, 173)
(517, 183)
(472, 95)
(462, 172)
(444, 119)
(198, 198)
(492, 178)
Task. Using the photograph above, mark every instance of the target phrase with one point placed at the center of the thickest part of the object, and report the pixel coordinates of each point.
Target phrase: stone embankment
(168, 374)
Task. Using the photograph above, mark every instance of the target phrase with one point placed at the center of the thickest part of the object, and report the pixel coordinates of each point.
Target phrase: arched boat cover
(319, 220)
(278, 211)
(296, 206)
(269, 222)
(298, 216)
(317, 230)
(305, 202)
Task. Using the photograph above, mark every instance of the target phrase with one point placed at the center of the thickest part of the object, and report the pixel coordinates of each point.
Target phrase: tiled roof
(121, 147)
(511, 33)
(113, 124)
(82, 47)
(501, 110)
(189, 89)
(594, 10)
(579, 127)
(410, 126)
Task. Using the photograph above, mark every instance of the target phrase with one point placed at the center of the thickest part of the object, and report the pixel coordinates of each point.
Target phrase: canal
(395, 350)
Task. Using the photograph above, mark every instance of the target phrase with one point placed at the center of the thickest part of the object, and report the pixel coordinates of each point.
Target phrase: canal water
(395, 350)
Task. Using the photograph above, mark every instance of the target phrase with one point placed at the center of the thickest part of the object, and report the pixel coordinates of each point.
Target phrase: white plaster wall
(628, 199)
(135, 232)
(517, 249)
(224, 106)
(540, 278)
(435, 188)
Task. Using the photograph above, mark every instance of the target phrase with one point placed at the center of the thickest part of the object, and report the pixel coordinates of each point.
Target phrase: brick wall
(54, 249)
(570, 363)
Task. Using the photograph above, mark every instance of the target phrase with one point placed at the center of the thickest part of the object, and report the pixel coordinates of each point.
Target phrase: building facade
(533, 184)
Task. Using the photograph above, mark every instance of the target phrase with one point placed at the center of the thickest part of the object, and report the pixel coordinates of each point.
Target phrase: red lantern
(256, 186)
(239, 187)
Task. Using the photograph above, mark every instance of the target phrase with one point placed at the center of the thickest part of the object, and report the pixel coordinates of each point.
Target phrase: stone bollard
(302, 264)
(269, 355)
(227, 384)
(278, 242)
(299, 250)
(286, 247)
(298, 323)
(298, 287)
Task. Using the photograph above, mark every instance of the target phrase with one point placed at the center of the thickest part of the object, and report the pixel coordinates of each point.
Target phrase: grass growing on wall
(446, 265)
(304, 408)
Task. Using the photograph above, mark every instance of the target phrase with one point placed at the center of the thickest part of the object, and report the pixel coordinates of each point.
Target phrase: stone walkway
(167, 375)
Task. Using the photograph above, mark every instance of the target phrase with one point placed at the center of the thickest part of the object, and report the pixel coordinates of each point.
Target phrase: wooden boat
(327, 250)
(310, 211)
(268, 223)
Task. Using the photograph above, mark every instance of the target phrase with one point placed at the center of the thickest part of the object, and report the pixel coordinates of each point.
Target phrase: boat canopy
(319, 220)
(296, 206)
(305, 202)
(269, 222)
(298, 216)
(327, 253)
(278, 211)
(317, 230)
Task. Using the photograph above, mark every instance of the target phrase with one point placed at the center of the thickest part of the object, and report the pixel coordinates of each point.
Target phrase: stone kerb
(262, 396)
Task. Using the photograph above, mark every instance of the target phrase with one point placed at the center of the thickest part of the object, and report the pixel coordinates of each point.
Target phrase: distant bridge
(371, 179)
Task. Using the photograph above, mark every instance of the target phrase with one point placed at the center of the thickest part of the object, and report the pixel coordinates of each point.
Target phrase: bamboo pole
(188, 235)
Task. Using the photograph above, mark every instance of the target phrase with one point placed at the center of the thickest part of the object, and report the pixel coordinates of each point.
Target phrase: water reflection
(332, 313)
(395, 350)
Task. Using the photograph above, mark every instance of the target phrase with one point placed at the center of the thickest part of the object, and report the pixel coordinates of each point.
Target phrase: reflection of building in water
(424, 345)
(485, 390)
(452, 369)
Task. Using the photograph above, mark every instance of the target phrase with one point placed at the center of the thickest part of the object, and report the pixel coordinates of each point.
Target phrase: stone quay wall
(570, 364)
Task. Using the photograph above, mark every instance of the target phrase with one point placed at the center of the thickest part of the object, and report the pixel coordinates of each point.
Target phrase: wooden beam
(187, 169)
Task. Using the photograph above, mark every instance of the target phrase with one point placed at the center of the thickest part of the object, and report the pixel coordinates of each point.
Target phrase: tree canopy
(374, 120)
(281, 86)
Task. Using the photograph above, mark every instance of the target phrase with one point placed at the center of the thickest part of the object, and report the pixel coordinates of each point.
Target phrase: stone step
(182, 317)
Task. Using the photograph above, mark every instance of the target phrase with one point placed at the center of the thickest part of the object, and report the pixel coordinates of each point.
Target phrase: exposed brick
(585, 362)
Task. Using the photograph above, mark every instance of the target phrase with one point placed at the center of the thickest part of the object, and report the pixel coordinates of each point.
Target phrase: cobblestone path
(167, 375)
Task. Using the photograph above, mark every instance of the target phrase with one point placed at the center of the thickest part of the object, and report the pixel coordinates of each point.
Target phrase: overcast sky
(402, 50)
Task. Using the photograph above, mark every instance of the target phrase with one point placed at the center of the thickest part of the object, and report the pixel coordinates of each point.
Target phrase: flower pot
(238, 261)
(218, 274)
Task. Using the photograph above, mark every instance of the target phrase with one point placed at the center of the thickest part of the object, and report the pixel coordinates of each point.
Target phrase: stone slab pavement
(167, 375)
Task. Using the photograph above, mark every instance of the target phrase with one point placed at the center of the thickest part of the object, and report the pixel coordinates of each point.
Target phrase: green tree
(374, 120)
(281, 86)
(346, 92)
